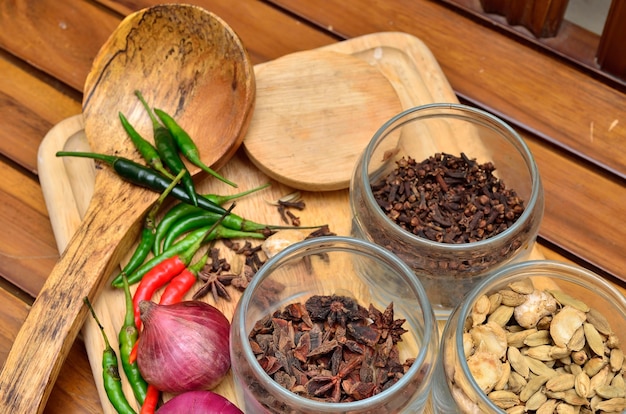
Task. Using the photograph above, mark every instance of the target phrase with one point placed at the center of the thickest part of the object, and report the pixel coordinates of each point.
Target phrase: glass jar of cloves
(539, 336)
(314, 333)
(453, 191)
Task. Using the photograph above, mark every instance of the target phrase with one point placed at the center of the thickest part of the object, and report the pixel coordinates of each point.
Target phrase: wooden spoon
(185, 61)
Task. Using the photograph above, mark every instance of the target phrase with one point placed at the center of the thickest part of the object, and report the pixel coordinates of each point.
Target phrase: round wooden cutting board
(314, 115)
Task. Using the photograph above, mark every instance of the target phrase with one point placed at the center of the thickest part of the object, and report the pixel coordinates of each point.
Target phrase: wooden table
(573, 124)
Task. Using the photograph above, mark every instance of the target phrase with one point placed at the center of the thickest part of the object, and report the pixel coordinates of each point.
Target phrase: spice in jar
(448, 199)
(540, 350)
(331, 348)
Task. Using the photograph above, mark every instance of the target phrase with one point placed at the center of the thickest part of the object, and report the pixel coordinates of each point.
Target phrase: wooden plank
(28, 250)
(75, 391)
(573, 194)
(30, 103)
(539, 93)
(51, 42)
(573, 43)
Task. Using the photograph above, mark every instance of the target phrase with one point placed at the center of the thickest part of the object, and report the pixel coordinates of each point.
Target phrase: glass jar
(448, 271)
(454, 387)
(335, 266)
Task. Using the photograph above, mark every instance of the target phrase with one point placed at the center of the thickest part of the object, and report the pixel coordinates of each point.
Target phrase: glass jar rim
(491, 121)
(551, 268)
(316, 245)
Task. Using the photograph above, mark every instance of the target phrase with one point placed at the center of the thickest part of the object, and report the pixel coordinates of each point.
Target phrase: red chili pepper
(152, 400)
(180, 285)
(157, 277)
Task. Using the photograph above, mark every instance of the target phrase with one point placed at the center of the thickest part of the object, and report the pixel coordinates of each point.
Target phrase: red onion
(183, 346)
(199, 402)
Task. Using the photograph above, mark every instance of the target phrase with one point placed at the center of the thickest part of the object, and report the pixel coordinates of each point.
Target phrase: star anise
(334, 309)
(214, 283)
(329, 386)
(386, 323)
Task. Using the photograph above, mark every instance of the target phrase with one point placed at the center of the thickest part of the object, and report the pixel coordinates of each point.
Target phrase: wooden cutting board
(67, 183)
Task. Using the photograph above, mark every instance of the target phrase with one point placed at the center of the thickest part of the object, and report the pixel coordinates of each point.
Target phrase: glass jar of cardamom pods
(534, 336)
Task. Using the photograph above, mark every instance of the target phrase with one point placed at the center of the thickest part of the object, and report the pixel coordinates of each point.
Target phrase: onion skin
(199, 402)
(183, 346)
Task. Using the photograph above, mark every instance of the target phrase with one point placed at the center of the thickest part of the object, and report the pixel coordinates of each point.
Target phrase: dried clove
(448, 199)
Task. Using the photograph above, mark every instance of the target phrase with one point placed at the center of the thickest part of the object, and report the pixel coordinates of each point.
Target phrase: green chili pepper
(148, 232)
(180, 210)
(145, 148)
(220, 232)
(186, 145)
(168, 151)
(167, 221)
(110, 372)
(145, 177)
(186, 224)
(128, 338)
(222, 199)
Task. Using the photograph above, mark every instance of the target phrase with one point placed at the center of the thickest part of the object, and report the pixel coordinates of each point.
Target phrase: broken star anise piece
(214, 283)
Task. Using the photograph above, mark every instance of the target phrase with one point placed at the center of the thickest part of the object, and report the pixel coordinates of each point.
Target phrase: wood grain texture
(518, 83)
(250, 18)
(574, 115)
(64, 22)
(75, 390)
(22, 215)
(30, 105)
(88, 21)
(347, 90)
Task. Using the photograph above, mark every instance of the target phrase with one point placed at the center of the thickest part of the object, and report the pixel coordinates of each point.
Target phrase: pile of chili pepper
(163, 257)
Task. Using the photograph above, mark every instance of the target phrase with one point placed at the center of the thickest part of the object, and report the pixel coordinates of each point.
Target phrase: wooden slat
(31, 104)
(48, 39)
(28, 249)
(530, 90)
(75, 390)
(574, 43)
(51, 42)
(573, 193)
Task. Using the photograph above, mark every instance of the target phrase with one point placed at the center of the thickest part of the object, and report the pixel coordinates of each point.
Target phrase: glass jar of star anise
(453, 191)
(333, 325)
